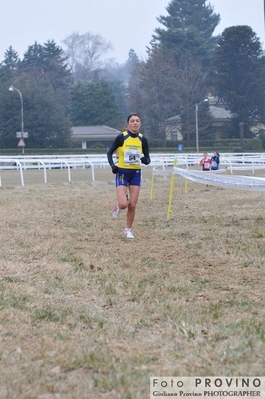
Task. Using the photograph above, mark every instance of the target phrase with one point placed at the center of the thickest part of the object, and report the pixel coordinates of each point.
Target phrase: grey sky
(125, 23)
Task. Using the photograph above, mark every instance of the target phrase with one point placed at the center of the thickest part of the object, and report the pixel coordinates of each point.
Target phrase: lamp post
(197, 127)
(12, 88)
(196, 121)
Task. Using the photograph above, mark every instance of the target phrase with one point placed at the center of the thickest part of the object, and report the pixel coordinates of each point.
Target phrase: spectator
(205, 162)
(215, 161)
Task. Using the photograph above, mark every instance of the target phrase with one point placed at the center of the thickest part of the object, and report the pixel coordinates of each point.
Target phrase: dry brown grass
(88, 314)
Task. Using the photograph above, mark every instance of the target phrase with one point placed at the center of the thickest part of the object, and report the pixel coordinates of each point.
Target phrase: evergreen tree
(56, 66)
(120, 92)
(33, 61)
(179, 58)
(47, 65)
(189, 27)
(47, 62)
(10, 65)
(94, 104)
(45, 118)
(44, 81)
(158, 95)
(239, 67)
(10, 104)
(133, 61)
(10, 117)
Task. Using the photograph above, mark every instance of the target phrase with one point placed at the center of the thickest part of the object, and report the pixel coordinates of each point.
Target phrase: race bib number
(132, 157)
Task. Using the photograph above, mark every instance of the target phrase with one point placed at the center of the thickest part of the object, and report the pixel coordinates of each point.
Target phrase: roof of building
(94, 133)
(220, 113)
(217, 113)
(173, 119)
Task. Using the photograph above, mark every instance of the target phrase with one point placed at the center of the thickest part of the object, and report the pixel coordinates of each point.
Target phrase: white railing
(231, 161)
(47, 164)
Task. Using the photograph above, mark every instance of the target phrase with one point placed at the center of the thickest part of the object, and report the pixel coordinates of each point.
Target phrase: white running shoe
(128, 233)
(116, 212)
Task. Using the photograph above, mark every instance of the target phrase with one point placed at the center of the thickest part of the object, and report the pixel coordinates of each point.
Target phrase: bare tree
(192, 88)
(157, 83)
(85, 54)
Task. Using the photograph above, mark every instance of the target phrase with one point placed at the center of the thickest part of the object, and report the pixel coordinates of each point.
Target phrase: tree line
(185, 64)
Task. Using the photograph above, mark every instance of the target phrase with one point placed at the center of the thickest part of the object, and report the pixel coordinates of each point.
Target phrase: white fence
(52, 162)
(232, 162)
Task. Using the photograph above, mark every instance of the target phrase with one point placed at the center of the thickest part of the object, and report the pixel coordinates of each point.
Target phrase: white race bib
(132, 157)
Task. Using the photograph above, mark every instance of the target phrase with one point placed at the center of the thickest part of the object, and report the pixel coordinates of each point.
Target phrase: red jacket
(206, 163)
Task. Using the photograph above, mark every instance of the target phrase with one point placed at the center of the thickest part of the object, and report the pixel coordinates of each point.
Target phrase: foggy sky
(126, 24)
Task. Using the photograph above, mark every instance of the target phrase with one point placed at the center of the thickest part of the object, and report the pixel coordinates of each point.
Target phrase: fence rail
(21, 163)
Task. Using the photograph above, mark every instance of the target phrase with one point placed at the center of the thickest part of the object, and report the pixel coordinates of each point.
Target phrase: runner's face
(134, 124)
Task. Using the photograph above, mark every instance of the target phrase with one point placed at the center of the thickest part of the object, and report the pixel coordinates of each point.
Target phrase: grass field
(87, 314)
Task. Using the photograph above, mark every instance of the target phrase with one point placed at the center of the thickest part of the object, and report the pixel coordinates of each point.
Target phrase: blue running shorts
(131, 177)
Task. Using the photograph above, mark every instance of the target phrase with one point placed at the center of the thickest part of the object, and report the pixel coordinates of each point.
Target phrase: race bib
(132, 157)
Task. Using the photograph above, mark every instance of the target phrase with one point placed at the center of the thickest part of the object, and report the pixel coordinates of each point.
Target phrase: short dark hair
(134, 114)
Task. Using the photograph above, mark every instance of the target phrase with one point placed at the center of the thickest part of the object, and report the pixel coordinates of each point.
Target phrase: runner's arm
(145, 148)
(118, 142)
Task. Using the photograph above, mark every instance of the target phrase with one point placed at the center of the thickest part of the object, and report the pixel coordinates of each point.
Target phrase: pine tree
(9, 67)
(239, 67)
(183, 48)
(189, 28)
(94, 104)
(44, 81)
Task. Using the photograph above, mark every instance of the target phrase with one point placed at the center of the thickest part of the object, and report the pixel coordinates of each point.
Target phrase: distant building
(89, 135)
(173, 128)
(220, 119)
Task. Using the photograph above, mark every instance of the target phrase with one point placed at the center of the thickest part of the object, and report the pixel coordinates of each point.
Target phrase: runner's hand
(145, 160)
(115, 169)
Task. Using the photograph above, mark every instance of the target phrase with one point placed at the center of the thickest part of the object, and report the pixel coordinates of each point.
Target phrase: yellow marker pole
(186, 185)
(152, 185)
(169, 209)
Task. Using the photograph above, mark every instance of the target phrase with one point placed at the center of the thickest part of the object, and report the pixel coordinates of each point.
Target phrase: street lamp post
(12, 88)
(197, 123)
(197, 127)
